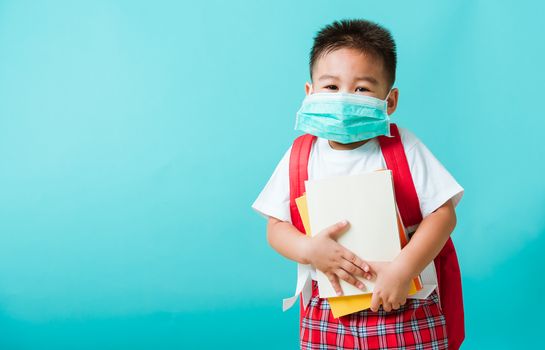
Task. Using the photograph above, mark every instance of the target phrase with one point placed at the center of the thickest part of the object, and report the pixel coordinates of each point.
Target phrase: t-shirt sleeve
(434, 184)
(274, 199)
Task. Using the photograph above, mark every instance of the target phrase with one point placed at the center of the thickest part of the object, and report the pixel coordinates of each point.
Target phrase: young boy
(353, 63)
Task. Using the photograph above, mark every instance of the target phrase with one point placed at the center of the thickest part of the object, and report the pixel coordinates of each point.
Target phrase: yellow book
(344, 305)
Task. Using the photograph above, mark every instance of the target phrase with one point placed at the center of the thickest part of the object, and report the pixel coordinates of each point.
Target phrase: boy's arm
(428, 240)
(394, 278)
(287, 240)
(322, 251)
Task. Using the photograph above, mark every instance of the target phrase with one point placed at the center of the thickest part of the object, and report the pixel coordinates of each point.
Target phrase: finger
(351, 268)
(387, 306)
(404, 301)
(333, 279)
(375, 266)
(375, 302)
(354, 259)
(336, 230)
(395, 306)
(350, 279)
(354, 270)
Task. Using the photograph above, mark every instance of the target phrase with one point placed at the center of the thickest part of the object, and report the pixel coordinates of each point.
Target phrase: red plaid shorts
(419, 324)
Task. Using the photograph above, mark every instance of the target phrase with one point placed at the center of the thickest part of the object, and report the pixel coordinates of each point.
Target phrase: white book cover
(367, 201)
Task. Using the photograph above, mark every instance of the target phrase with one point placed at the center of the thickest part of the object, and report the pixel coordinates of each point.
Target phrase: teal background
(134, 136)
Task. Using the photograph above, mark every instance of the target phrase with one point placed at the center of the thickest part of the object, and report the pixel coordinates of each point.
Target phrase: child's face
(351, 71)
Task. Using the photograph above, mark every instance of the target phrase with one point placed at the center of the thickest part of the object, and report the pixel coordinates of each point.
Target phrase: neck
(346, 146)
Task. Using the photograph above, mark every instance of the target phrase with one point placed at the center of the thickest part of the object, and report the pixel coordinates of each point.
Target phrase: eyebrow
(364, 78)
(327, 76)
(367, 78)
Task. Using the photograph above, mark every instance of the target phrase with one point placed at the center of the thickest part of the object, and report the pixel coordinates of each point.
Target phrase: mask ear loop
(386, 99)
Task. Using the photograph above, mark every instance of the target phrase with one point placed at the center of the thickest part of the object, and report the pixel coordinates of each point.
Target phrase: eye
(331, 87)
(362, 89)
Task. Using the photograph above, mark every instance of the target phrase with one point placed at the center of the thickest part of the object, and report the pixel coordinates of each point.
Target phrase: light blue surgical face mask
(343, 117)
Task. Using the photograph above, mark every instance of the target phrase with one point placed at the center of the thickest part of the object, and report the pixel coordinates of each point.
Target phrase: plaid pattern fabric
(419, 324)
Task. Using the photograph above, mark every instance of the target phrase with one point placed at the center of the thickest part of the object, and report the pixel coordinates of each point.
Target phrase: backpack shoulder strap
(394, 155)
(298, 173)
(446, 263)
(405, 192)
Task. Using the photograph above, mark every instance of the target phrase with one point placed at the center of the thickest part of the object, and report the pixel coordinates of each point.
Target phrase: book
(344, 305)
(367, 201)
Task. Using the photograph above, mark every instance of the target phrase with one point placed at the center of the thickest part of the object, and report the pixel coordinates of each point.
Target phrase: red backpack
(446, 262)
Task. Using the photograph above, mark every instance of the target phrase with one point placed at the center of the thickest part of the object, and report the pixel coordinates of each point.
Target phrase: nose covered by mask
(343, 117)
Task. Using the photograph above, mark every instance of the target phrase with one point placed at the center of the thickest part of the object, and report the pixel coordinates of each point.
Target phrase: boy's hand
(391, 286)
(334, 260)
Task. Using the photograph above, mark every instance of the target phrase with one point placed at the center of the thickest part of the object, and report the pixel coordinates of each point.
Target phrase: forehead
(348, 63)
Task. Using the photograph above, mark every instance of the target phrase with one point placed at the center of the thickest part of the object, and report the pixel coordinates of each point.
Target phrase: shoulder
(285, 157)
(301, 142)
(417, 153)
(408, 138)
(282, 167)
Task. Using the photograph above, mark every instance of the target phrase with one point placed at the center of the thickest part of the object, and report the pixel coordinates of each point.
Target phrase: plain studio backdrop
(135, 135)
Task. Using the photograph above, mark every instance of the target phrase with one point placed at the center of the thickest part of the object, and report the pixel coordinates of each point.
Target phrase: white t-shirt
(434, 184)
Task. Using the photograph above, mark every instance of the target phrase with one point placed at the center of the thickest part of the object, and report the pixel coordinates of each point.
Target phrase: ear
(392, 101)
(308, 88)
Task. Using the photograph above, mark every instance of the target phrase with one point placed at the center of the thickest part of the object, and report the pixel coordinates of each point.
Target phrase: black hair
(365, 36)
